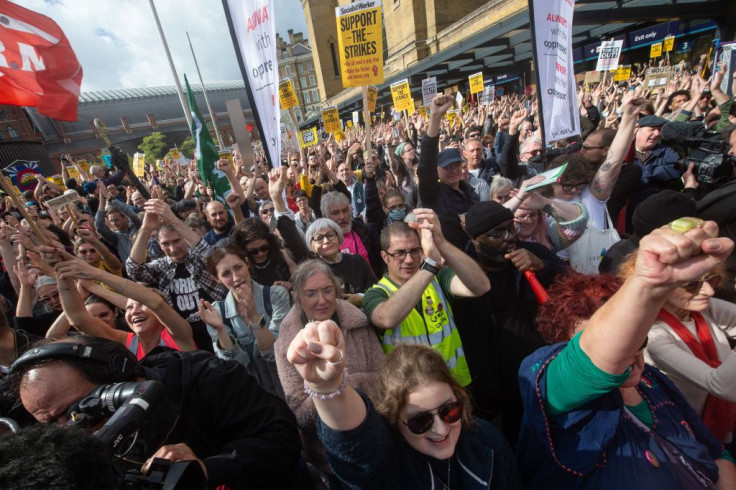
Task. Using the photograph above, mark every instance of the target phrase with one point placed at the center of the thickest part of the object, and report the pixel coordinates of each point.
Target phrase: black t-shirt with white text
(185, 296)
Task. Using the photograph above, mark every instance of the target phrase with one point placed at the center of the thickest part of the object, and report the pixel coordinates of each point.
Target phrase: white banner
(429, 90)
(552, 27)
(608, 54)
(255, 28)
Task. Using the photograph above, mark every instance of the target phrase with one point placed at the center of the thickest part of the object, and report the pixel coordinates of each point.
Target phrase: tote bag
(586, 253)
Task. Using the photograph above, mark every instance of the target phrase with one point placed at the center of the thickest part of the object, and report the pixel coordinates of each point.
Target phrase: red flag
(37, 65)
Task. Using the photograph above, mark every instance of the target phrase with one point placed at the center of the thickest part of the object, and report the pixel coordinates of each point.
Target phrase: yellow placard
(401, 93)
(359, 36)
(349, 124)
(139, 164)
(73, 173)
(422, 110)
(58, 181)
(84, 165)
(452, 115)
(287, 94)
(175, 154)
(308, 138)
(656, 50)
(622, 74)
(331, 120)
(669, 44)
(372, 98)
(412, 107)
(339, 135)
(476, 83)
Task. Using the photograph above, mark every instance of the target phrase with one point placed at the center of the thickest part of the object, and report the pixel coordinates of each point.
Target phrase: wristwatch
(261, 323)
(430, 265)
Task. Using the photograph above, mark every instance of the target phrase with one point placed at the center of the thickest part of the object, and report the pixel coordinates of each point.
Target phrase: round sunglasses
(421, 422)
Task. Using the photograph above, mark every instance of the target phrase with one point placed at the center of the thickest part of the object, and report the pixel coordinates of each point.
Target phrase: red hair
(573, 297)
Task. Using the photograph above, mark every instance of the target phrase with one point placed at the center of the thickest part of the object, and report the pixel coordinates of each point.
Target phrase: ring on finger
(339, 361)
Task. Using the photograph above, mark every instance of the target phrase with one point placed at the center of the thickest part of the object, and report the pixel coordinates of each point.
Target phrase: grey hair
(469, 140)
(333, 199)
(307, 269)
(498, 182)
(527, 142)
(319, 225)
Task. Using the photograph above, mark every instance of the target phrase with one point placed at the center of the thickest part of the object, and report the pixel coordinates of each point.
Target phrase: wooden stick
(9, 189)
(73, 215)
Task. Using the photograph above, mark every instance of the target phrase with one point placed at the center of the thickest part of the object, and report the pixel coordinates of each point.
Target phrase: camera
(712, 165)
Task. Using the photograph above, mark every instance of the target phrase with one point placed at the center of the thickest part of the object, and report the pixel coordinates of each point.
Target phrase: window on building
(335, 62)
(298, 112)
(300, 68)
(311, 80)
(303, 81)
(307, 98)
(12, 133)
(315, 95)
(288, 69)
(310, 66)
(3, 115)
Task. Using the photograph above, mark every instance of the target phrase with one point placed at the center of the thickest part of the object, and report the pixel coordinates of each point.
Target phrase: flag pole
(206, 99)
(171, 65)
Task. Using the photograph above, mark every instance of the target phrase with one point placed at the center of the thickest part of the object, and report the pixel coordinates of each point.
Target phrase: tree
(187, 147)
(154, 146)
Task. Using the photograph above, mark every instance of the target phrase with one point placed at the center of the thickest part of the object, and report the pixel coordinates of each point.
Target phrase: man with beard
(219, 219)
(496, 353)
(412, 302)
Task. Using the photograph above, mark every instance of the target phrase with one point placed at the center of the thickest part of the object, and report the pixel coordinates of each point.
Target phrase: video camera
(706, 149)
(127, 406)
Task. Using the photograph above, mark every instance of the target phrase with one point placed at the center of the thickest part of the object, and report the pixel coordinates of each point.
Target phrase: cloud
(118, 44)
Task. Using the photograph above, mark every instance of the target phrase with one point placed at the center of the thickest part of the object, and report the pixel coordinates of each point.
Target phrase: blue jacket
(660, 167)
(598, 445)
(373, 455)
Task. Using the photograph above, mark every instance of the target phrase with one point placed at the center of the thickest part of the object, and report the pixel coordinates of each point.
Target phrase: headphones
(120, 362)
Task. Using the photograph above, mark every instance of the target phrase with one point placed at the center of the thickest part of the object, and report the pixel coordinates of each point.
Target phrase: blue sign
(653, 34)
(499, 79)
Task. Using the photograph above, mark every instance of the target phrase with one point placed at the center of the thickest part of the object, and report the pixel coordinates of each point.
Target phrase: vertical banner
(308, 138)
(360, 39)
(429, 90)
(372, 93)
(253, 30)
(551, 23)
(401, 94)
(331, 120)
(476, 83)
(287, 94)
(608, 55)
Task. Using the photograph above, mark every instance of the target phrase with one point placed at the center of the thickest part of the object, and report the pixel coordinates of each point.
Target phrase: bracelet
(327, 396)
(122, 288)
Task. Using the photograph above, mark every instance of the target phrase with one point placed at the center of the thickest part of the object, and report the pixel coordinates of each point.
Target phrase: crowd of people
(413, 306)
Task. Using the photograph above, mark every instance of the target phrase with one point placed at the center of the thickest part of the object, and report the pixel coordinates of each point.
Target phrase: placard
(356, 118)
(592, 77)
(656, 50)
(308, 138)
(658, 76)
(360, 39)
(70, 197)
(488, 95)
(401, 94)
(669, 44)
(623, 73)
(372, 96)
(139, 164)
(608, 55)
(331, 120)
(287, 94)
(429, 90)
(476, 82)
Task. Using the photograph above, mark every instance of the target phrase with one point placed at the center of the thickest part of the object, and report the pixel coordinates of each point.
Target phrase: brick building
(296, 62)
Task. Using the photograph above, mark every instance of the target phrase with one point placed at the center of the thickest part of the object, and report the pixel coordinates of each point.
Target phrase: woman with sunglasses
(416, 433)
(595, 415)
(268, 263)
(690, 342)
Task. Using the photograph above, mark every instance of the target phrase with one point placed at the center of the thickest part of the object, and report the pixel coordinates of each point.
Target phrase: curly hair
(254, 229)
(574, 297)
(407, 368)
(577, 171)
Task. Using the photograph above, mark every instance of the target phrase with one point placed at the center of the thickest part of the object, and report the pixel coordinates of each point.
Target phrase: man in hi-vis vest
(411, 303)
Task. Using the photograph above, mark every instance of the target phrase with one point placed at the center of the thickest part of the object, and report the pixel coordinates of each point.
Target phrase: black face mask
(536, 159)
(493, 255)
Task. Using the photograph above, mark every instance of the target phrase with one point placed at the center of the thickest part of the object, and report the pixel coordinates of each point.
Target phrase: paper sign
(656, 50)
(412, 107)
(623, 73)
(356, 118)
(308, 138)
(139, 164)
(360, 39)
(64, 199)
(73, 173)
(331, 120)
(452, 114)
(429, 90)
(550, 177)
(476, 83)
(339, 135)
(422, 110)
(608, 55)
(401, 94)
(657, 76)
(459, 99)
(58, 181)
(84, 165)
(592, 77)
(349, 124)
(669, 44)
(287, 94)
(488, 95)
(372, 96)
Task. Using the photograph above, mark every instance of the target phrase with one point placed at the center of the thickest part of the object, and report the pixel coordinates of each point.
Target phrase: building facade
(296, 62)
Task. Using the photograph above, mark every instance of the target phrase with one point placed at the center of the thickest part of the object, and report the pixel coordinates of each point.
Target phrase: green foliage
(154, 146)
(187, 147)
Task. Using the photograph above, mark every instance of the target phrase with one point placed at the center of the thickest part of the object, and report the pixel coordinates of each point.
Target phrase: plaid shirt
(161, 272)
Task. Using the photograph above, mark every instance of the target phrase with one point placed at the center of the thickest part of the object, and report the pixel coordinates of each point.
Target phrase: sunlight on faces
(118, 221)
(318, 297)
(49, 295)
(503, 195)
(217, 216)
(141, 319)
(401, 271)
(692, 298)
(89, 254)
(440, 440)
(233, 273)
(647, 137)
(173, 245)
(342, 216)
(473, 153)
(527, 219)
(325, 243)
(452, 174)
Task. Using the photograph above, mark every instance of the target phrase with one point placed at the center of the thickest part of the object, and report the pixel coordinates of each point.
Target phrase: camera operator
(212, 412)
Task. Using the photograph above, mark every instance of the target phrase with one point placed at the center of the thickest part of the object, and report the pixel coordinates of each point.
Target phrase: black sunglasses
(253, 251)
(449, 413)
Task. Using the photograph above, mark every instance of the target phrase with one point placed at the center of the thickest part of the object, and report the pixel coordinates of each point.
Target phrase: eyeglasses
(420, 423)
(267, 211)
(254, 251)
(527, 217)
(48, 299)
(502, 235)
(567, 187)
(694, 287)
(397, 206)
(320, 238)
(400, 255)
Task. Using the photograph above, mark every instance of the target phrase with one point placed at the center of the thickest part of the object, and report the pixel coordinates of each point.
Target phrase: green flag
(206, 151)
